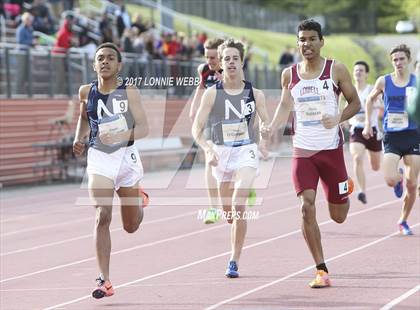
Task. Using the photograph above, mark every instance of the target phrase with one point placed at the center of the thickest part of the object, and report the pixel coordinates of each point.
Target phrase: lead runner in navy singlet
(112, 115)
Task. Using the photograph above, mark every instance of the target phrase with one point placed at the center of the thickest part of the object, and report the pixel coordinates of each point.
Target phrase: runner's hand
(78, 148)
(330, 121)
(211, 157)
(266, 132)
(367, 132)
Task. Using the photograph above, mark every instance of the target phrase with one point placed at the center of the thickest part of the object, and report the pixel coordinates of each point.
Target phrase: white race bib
(113, 124)
(119, 106)
(311, 113)
(397, 120)
(235, 133)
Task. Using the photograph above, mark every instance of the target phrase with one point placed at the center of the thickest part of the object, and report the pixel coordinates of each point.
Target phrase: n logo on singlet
(102, 107)
(246, 109)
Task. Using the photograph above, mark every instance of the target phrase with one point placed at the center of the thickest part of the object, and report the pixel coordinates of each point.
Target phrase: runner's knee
(337, 214)
(358, 159)
(390, 181)
(308, 211)
(131, 227)
(411, 186)
(103, 217)
(375, 166)
(338, 218)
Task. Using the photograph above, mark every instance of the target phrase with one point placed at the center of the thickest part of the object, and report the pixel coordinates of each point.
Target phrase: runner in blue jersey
(231, 107)
(112, 115)
(401, 133)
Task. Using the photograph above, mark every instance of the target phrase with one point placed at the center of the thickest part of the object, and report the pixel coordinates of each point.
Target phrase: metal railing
(39, 72)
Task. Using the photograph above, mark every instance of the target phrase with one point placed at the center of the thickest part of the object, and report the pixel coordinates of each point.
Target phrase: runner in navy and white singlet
(230, 108)
(112, 115)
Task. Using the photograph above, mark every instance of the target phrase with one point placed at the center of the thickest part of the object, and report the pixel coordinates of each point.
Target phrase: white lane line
(259, 288)
(165, 219)
(136, 247)
(117, 229)
(152, 207)
(223, 254)
(399, 299)
(160, 242)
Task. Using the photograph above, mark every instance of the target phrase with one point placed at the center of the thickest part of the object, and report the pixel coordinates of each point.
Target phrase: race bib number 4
(398, 120)
(113, 124)
(235, 133)
(311, 113)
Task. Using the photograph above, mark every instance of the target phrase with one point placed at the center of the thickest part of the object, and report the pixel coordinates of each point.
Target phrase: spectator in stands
(24, 33)
(248, 56)
(62, 44)
(286, 59)
(43, 20)
(88, 46)
(201, 38)
(105, 27)
(139, 24)
(64, 36)
(56, 8)
(25, 37)
(170, 46)
(127, 41)
(138, 40)
(123, 21)
(11, 11)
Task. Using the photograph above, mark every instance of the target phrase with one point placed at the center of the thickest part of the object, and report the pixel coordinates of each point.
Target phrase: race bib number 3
(311, 113)
(235, 133)
(398, 120)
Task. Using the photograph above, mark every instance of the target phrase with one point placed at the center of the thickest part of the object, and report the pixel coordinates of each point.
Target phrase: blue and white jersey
(109, 113)
(396, 98)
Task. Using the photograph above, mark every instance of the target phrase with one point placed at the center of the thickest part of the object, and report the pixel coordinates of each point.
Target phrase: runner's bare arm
(349, 92)
(195, 103)
(203, 112)
(286, 103)
(82, 128)
(261, 108)
(377, 90)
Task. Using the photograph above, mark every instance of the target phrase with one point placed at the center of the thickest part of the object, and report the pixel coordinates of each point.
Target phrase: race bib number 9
(119, 106)
(235, 133)
(397, 120)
